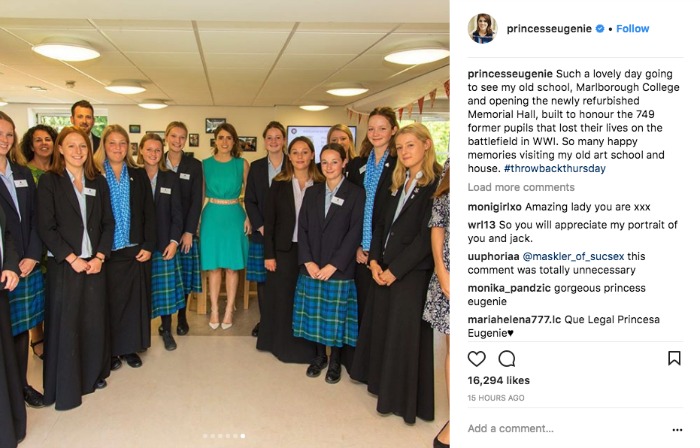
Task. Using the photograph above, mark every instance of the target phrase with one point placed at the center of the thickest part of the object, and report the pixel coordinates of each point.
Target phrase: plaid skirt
(27, 302)
(255, 269)
(189, 268)
(325, 311)
(167, 292)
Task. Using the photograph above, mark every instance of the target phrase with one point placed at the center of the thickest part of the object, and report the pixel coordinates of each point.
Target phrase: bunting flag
(432, 97)
(409, 107)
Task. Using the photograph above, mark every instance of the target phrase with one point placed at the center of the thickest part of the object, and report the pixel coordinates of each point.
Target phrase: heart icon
(510, 332)
(476, 358)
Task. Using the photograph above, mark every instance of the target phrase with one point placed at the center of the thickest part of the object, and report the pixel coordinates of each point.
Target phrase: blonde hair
(15, 153)
(175, 125)
(139, 158)
(431, 169)
(352, 152)
(100, 155)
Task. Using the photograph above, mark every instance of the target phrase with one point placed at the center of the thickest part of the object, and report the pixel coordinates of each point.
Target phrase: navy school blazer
(280, 218)
(60, 223)
(408, 246)
(10, 259)
(23, 225)
(142, 229)
(191, 195)
(356, 174)
(331, 239)
(256, 189)
(168, 205)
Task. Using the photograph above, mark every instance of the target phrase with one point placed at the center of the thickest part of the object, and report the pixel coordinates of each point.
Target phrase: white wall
(248, 121)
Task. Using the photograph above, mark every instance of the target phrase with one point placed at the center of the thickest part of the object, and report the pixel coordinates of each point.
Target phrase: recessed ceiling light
(125, 87)
(153, 104)
(347, 90)
(66, 49)
(3, 102)
(313, 107)
(419, 54)
(37, 88)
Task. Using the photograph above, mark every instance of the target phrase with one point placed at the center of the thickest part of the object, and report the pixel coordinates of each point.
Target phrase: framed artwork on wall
(211, 123)
(248, 144)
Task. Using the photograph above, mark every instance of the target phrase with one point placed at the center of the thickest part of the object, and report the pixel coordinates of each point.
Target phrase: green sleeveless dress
(224, 243)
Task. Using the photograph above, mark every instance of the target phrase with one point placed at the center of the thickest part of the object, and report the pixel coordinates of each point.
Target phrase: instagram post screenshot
(574, 146)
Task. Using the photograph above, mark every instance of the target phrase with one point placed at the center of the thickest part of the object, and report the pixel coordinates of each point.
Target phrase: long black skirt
(394, 353)
(76, 341)
(129, 298)
(13, 414)
(275, 334)
(363, 282)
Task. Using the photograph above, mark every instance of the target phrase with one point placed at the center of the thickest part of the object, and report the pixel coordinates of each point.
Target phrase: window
(439, 129)
(60, 119)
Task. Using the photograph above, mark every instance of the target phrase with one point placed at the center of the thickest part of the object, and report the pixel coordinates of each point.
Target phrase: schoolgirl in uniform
(330, 228)
(18, 201)
(13, 414)
(371, 171)
(77, 226)
(189, 173)
(260, 176)
(341, 134)
(282, 253)
(394, 353)
(167, 296)
(129, 266)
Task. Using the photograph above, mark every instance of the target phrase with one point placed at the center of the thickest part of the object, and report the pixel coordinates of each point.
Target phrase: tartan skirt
(255, 269)
(325, 311)
(189, 268)
(167, 292)
(27, 302)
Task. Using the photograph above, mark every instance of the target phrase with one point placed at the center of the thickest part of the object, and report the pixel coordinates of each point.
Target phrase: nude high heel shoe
(228, 315)
(214, 325)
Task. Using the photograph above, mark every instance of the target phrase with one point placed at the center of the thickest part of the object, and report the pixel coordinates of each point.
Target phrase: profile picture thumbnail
(483, 28)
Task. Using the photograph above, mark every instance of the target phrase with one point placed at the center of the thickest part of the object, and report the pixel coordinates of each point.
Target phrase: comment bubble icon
(507, 358)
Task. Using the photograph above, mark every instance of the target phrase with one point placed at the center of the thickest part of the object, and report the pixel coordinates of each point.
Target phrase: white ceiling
(222, 53)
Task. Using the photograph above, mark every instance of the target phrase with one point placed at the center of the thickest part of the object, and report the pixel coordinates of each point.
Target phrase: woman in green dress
(225, 227)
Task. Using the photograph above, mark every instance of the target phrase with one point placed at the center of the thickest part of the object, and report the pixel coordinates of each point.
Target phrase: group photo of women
(346, 245)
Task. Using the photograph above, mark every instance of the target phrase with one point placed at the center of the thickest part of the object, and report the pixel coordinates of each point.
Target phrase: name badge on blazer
(21, 183)
(165, 190)
(89, 191)
(363, 168)
(184, 176)
(337, 201)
